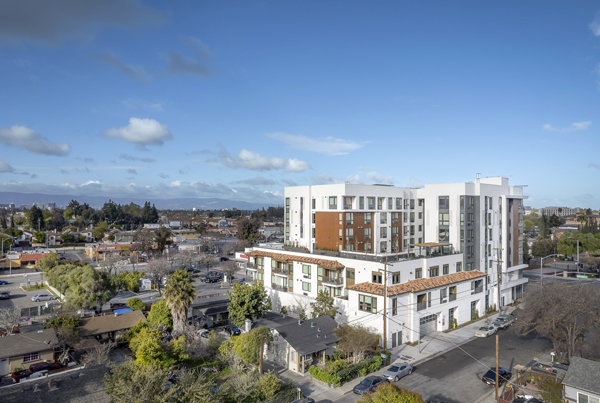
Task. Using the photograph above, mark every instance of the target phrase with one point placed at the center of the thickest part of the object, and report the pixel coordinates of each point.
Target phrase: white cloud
(132, 158)
(326, 145)
(323, 179)
(254, 161)
(24, 137)
(574, 127)
(132, 71)
(595, 24)
(258, 181)
(142, 132)
(4, 167)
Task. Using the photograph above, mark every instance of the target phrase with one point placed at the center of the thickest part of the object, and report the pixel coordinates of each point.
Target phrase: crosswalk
(10, 288)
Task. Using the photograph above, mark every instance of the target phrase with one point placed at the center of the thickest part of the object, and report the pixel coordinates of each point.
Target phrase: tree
(205, 259)
(48, 262)
(229, 268)
(132, 383)
(39, 237)
(100, 230)
(143, 241)
(35, 218)
(84, 286)
(179, 294)
(528, 225)
(149, 214)
(543, 247)
(567, 315)
(391, 393)
(267, 388)
(247, 302)
(99, 355)
(160, 314)
(194, 387)
(156, 271)
(161, 236)
(356, 339)
(247, 345)
(9, 318)
(526, 255)
(148, 348)
(113, 263)
(323, 305)
(136, 304)
(67, 237)
(248, 229)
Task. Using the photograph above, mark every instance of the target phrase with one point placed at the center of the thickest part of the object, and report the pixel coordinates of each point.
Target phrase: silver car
(42, 297)
(397, 371)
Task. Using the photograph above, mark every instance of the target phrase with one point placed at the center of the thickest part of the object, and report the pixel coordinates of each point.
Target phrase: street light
(541, 271)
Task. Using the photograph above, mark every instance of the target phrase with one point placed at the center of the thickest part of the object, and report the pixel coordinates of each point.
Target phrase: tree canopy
(323, 305)
(391, 393)
(247, 301)
(179, 294)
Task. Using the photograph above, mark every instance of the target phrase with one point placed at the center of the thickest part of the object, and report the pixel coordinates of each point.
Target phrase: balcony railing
(279, 287)
(277, 270)
(347, 206)
(251, 266)
(350, 238)
(452, 297)
(477, 290)
(421, 306)
(333, 280)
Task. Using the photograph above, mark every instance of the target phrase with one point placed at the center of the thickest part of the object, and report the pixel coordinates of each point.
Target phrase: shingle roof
(110, 323)
(31, 342)
(282, 257)
(421, 284)
(307, 339)
(583, 374)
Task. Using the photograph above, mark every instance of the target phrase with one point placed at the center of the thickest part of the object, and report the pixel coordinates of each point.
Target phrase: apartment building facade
(559, 211)
(426, 258)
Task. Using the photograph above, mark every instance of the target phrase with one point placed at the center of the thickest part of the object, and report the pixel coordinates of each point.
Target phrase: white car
(486, 331)
(43, 297)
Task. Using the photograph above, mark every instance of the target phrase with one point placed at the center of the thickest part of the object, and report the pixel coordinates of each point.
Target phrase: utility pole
(260, 367)
(496, 367)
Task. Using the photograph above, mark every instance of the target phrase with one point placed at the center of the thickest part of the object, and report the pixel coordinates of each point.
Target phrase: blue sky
(239, 99)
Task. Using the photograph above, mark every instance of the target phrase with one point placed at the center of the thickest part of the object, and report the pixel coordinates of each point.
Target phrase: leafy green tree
(552, 390)
(543, 247)
(134, 331)
(147, 347)
(247, 345)
(323, 305)
(194, 387)
(160, 313)
(356, 339)
(528, 225)
(554, 221)
(526, 255)
(35, 218)
(149, 214)
(391, 393)
(179, 294)
(131, 280)
(267, 388)
(133, 383)
(161, 236)
(248, 229)
(100, 230)
(136, 304)
(39, 237)
(67, 237)
(247, 302)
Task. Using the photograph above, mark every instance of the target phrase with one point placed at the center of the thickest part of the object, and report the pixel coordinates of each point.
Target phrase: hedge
(323, 376)
(362, 368)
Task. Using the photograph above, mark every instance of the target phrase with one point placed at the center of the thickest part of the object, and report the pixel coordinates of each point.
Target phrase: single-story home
(110, 325)
(581, 382)
(19, 351)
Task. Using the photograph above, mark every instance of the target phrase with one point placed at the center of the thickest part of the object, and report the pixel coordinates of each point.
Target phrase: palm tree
(581, 218)
(179, 294)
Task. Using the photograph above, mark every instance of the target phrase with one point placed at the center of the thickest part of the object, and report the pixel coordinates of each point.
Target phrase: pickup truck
(37, 367)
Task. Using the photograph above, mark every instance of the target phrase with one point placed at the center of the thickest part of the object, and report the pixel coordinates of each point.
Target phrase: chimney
(247, 325)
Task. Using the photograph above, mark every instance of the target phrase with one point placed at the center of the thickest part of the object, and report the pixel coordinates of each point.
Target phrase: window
(383, 217)
(350, 274)
(287, 202)
(420, 228)
(469, 267)
(398, 203)
(293, 356)
(421, 201)
(368, 233)
(350, 247)
(395, 246)
(361, 202)
(471, 218)
(383, 246)
(320, 273)
(446, 269)
(462, 235)
(412, 217)
(371, 203)
(394, 232)
(444, 202)
(418, 273)
(368, 247)
(420, 215)
(394, 306)
(377, 278)
(443, 295)
(390, 203)
(340, 218)
(458, 266)
(395, 218)
(396, 278)
(434, 271)
(368, 218)
(260, 263)
(462, 219)
(581, 398)
(31, 357)
(305, 286)
(444, 235)
(313, 218)
(490, 234)
(471, 201)
(306, 270)
(314, 203)
(367, 303)
(332, 202)
(444, 219)
(340, 234)
(349, 234)
(383, 232)
(471, 235)
(349, 218)
(412, 204)
(313, 232)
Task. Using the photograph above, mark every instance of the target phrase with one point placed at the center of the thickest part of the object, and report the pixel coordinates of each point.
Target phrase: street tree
(356, 340)
(113, 263)
(247, 301)
(391, 393)
(229, 268)
(136, 304)
(143, 241)
(9, 318)
(133, 383)
(323, 305)
(179, 294)
(156, 270)
(205, 259)
(161, 236)
(566, 314)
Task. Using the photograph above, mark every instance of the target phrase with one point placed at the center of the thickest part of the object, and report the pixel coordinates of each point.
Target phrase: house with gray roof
(581, 382)
(19, 351)
(300, 344)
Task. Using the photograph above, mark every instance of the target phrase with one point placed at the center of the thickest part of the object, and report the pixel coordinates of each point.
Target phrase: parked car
(367, 385)
(204, 333)
(490, 376)
(397, 371)
(507, 318)
(548, 368)
(223, 259)
(44, 366)
(486, 331)
(17, 376)
(2, 282)
(501, 323)
(4, 294)
(43, 297)
(233, 330)
(210, 279)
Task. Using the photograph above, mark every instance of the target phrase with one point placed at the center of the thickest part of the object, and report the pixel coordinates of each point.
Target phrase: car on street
(490, 376)
(2, 282)
(501, 324)
(43, 297)
(4, 294)
(486, 331)
(223, 259)
(18, 375)
(506, 318)
(397, 371)
(233, 330)
(367, 385)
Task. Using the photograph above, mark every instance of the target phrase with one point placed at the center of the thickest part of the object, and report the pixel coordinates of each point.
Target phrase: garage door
(428, 324)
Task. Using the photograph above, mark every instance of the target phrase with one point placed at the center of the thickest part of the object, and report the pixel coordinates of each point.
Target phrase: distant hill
(98, 201)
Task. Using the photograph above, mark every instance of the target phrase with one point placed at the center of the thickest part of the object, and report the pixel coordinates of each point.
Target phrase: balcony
(350, 238)
(279, 271)
(477, 290)
(452, 297)
(335, 281)
(421, 305)
(279, 287)
(382, 221)
(347, 206)
(251, 266)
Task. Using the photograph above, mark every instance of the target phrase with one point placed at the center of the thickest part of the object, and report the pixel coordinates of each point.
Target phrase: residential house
(109, 326)
(581, 385)
(19, 351)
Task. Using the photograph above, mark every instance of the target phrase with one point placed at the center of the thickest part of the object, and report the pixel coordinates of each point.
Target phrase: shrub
(136, 304)
(363, 368)
(65, 322)
(335, 366)
(323, 376)
(475, 315)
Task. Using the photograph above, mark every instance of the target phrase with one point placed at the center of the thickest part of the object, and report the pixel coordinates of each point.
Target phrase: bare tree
(567, 314)
(204, 259)
(99, 355)
(143, 241)
(229, 268)
(356, 340)
(301, 308)
(9, 318)
(185, 257)
(156, 270)
(114, 263)
(591, 262)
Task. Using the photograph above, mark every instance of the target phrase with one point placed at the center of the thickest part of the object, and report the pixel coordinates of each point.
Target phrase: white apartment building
(559, 211)
(443, 245)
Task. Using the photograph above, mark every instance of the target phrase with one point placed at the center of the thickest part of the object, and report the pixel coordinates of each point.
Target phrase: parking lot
(19, 298)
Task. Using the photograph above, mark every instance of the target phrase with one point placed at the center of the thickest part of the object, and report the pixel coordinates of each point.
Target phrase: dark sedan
(2, 282)
(490, 376)
(233, 330)
(367, 385)
(210, 279)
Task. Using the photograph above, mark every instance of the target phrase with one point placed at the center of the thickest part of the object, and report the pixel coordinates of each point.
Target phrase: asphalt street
(455, 377)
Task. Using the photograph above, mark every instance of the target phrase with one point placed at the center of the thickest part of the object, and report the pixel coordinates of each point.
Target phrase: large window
(395, 218)
(390, 203)
(340, 215)
(377, 278)
(394, 232)
(305, 286)
(306, 270)
(368, 233)
(398, 203)
(383, 219)
(383, 246)
(368, 247)
(458, 266)
(444, 219)
(434, 271)
(361, 202)
(446, 269)
(349, 218)
(31, 357)
(371, 203)
(332, 202)
(418, 273)
(395, 307)
(581, 398)
(368, 218)
(367, 303)
(383, 232)
(444, 202)
(396, 278)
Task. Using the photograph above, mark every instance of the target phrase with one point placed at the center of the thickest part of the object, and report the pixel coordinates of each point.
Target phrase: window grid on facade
(31, 357)
(367, 303)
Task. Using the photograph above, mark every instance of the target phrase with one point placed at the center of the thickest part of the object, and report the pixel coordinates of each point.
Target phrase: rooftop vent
(299, 322)
(318, 336)
(312, 324)
(318, 329)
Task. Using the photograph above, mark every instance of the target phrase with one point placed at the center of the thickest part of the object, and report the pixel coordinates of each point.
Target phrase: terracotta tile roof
(421, 284)
(282, 257)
